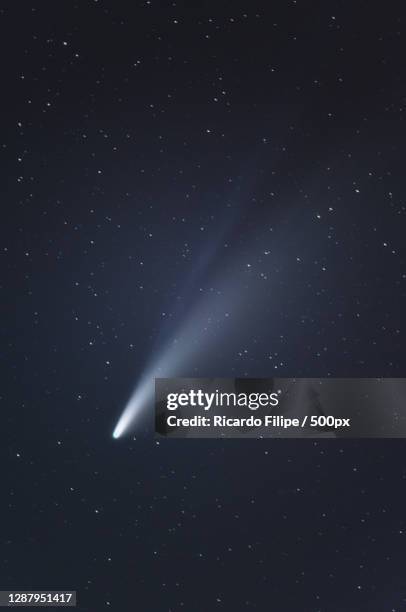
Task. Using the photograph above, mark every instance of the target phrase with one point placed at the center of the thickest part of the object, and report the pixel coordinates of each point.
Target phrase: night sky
(232, 168)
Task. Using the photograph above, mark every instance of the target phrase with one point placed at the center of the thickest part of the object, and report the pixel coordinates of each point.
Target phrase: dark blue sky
(153, 153)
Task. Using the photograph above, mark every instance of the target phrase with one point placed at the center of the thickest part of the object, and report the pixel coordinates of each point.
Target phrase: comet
(199, 346)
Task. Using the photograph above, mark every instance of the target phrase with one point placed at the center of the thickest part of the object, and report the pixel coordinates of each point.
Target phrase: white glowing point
(124, 421)
(142, 395)
(126, 418)
(116, 433)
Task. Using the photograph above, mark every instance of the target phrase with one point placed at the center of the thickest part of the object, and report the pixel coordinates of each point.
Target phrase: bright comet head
(143, 394)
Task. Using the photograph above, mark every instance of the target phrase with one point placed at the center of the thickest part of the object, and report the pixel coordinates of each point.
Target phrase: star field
(238, 165)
